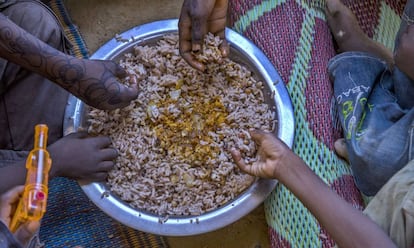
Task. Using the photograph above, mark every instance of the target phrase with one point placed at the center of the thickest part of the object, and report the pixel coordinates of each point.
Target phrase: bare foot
(79, 156)
(340, 149)
(404, 55)
(349, 35)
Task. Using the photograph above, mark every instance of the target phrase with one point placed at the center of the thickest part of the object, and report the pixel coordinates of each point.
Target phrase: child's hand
(8, 206)
(272, 155)
(82, 157)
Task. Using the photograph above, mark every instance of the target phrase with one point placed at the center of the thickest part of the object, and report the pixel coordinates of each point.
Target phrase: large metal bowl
(242, 51)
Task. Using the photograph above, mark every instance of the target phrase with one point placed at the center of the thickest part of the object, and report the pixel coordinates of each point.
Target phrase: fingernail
(224, 53)
(201, 67)
(196, 48)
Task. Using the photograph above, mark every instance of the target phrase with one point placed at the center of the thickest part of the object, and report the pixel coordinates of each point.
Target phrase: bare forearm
(22, 48)
(348, 226)
(95, 82)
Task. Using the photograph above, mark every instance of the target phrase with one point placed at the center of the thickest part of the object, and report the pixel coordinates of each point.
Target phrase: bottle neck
(40, 136)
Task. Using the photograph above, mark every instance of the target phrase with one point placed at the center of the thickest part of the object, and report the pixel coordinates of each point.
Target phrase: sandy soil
(99, 21)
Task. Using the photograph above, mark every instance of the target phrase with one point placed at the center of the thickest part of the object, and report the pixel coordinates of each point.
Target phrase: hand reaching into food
(197, 18)
(272, 155)
(80, 156)
(96, 82)
(338, 217)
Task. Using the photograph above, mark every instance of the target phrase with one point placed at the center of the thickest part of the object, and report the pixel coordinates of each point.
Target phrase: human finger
(119, 71)
(126, 93)
(122, 74)
(239, 161)
(98, 177)
(133, 82)
(217, 26)
(26, 231)
(184, 32)
(8, 203)
(101, 141)
(185, 41)
(224, 47)
(12, 195)
(129, 93)
(79, 135)
(198, 31)
(258, 136)
(109, 154)
(193, 62)
(408, 35)
(105, 166)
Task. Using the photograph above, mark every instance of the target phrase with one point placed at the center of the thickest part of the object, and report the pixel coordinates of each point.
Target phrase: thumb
(120, 72)
(26, 231)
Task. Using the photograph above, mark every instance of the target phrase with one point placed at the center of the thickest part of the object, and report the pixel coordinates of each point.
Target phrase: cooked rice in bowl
(174, 139)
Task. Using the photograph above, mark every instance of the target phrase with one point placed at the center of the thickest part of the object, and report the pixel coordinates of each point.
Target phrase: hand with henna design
(95, 82)
(197, 18)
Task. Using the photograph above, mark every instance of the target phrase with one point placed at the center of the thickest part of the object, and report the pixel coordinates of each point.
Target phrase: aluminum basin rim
(213, 220)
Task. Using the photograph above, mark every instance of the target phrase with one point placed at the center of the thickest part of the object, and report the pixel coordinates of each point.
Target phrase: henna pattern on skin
(93, 81)
(21, 44)
(98, 92)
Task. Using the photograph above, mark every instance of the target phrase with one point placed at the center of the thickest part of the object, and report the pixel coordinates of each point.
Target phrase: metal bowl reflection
(242, 51)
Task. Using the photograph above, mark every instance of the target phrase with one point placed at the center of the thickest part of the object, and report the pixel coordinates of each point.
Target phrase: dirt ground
(99, 21)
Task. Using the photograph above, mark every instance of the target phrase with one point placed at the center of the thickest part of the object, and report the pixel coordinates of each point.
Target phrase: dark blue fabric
(376, 109)
(7, 239)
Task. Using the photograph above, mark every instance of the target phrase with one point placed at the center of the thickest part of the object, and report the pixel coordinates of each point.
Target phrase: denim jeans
(377, 120)
(376, 110)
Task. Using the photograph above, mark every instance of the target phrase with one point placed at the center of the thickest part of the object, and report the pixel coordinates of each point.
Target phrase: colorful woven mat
(295, 36)
(71, 218)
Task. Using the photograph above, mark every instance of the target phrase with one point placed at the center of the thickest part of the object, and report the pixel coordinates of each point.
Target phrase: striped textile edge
(71, 31)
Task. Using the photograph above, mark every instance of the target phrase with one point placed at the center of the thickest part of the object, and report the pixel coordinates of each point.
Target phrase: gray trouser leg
(27, 99)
